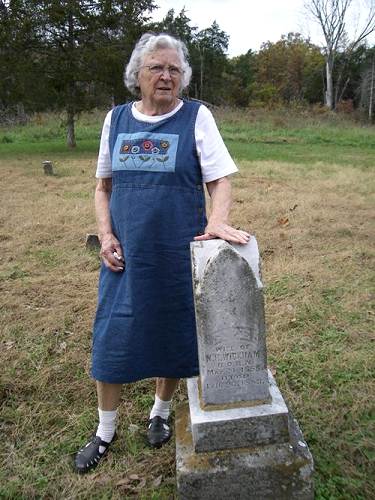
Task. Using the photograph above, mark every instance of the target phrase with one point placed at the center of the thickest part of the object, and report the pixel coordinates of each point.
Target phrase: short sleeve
(214, 157)
(104, 167)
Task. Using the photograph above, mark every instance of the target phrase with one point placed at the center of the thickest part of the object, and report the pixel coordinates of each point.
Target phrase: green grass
(48, 147)
(46, 134)
(279, 135)
(301, 144)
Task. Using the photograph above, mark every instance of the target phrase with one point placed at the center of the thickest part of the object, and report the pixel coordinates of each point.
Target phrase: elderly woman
(155, 154)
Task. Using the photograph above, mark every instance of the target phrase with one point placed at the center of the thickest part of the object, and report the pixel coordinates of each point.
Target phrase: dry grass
(315, 228)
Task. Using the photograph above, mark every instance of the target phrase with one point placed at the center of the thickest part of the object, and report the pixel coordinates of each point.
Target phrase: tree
(178, 26)
(77, 34)
(72, 48)
(331, 16)
(288, 70)
(209, 51)
(348, 72)
(21, 85)
(367, 87)
(241, 73)
(121, 23)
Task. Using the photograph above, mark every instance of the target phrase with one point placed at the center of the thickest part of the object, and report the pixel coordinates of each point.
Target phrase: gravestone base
(225, 428)
(280, 471)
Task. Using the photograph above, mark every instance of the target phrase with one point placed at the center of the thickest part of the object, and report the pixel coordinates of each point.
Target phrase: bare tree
(331, 16)
(371, 96)
(368, 89)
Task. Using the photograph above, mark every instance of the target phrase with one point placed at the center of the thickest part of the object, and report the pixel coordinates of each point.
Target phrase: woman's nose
(165, 75)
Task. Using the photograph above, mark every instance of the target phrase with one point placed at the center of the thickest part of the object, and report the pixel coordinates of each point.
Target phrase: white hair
(148, 43)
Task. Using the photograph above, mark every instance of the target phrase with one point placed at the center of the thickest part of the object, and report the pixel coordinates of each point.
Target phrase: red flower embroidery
(147, 145)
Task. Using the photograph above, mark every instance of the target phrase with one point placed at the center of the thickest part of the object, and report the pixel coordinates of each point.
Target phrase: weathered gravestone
(236, 438)
(47, 167)
(92, 242)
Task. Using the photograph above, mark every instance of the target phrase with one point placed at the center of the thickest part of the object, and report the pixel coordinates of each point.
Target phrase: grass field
(305, 189)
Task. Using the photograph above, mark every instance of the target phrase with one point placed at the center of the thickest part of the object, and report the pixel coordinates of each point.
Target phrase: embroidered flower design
(155, 150)
(147, 145)
(135, 149)
(164, 144)
(125, 148)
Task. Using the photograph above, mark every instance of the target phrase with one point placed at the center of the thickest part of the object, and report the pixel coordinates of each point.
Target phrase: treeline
(70, 55)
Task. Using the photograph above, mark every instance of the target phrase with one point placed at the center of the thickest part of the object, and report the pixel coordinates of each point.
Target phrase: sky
(249, 23)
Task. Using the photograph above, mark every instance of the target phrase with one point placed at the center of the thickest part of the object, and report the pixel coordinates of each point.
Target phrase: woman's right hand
(111, 253)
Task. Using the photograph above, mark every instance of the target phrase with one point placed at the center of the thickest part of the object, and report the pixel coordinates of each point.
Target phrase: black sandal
(88, 457)
(158, 432)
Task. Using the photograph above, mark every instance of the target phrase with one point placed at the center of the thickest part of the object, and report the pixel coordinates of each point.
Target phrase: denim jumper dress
(145, 322)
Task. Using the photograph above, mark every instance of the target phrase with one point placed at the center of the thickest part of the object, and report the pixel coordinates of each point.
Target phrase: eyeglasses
(158, 69)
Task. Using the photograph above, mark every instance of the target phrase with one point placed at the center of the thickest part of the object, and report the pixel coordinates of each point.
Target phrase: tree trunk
(329, 92)
(70, 134)
(70, 110)
(370, 106)
(201, 53)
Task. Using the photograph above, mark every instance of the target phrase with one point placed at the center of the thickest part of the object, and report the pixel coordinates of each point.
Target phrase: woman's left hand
(225, 232)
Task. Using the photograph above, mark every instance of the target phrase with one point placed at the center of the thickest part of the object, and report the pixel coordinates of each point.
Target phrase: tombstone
(92, 242)
(236, 438)
(48, 167)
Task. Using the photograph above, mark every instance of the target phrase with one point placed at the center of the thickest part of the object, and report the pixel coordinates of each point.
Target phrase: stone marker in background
(92, 242)
(48, 167)
(238, 440)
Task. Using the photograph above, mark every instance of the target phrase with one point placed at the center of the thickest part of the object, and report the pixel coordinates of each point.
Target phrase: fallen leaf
(122, 482)
(142, 484)
(283, 221)
(157, 481)
(134, 477)
(273, 370)
(268, 251)
(102, 479)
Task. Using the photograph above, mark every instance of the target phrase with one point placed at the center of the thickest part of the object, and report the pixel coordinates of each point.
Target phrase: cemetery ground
(305, 189)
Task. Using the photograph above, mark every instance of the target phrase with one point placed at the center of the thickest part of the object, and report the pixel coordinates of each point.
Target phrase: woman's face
(160, 89)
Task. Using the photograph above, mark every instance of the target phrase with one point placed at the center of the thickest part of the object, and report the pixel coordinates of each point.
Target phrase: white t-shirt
(213, 155)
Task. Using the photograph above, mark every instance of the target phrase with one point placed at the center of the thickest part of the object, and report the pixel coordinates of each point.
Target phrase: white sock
(107, 425)
(161, 408)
